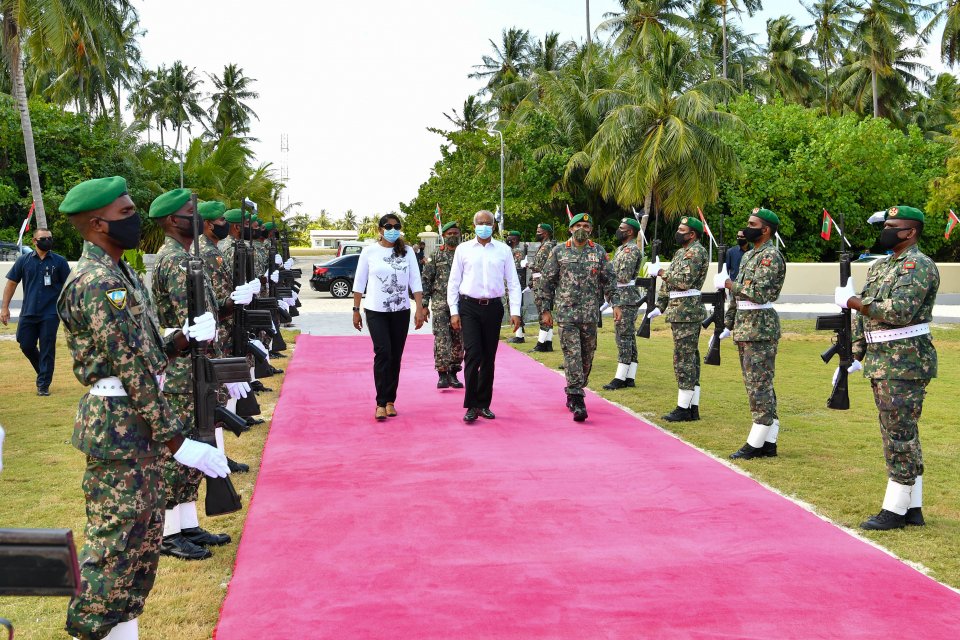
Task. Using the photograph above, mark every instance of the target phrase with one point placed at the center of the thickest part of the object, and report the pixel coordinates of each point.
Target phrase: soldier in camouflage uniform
(182, 535)
(124, 421)
(756, 329)
(892, 339)
(576, 275)
(626, 266)
(520, 263)
(547, 243)
(447, 341)
(679, 299)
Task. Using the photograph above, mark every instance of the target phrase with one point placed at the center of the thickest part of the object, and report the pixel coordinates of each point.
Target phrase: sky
(355, 86)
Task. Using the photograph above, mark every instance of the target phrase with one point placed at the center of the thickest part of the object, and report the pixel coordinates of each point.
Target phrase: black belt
(480, 301)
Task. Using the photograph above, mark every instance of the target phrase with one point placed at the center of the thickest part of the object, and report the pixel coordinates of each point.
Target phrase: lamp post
(502, 212)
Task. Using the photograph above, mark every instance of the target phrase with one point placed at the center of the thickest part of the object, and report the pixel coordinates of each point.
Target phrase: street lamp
(502, 212)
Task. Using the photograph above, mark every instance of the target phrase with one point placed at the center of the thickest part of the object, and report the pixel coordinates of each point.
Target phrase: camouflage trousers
(579, 343)
(758, 361)
(447, 343)
(181, 484)
(686, 354)
(118, 561)
(626, 334)
(539, 304)
(900, 403)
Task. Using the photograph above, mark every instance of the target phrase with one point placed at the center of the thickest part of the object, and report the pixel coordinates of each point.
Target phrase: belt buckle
(483, 301)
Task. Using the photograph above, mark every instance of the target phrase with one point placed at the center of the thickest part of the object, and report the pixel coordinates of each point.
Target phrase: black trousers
(389, 332)
(481, 335)
(33, 330)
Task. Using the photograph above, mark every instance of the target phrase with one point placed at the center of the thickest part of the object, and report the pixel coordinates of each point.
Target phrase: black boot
(914, 517)
(203, 538)
(679, 415)
(580, 410)
(237, 467)
(176, 546)
(571, 402)
(615, 384)
(746, 452)
(694, 412)
(251, 421)
(277, 354)
(516, 340)
(631, 382)
(538, 348)
(769, 450)
(452, 377)
(444, 381)
(884, 521)
(547, 346)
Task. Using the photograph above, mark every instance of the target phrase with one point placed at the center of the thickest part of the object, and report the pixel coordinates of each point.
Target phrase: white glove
(242, 295)
(604, 307)
(523, 263)
(238, 389)
(724, 334)
(283, 305)
(526, 290)
(1, 448)
(275, 276)
(207, 459)
(856, 366)
(290, 302)
(720, 280)
(203, 329)
(653, 268)
(288, 264)
(277, 259)
(653, 314)
(842, 294)
(253, 285)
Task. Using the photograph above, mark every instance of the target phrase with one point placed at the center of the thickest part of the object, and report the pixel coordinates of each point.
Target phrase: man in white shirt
(482, 269)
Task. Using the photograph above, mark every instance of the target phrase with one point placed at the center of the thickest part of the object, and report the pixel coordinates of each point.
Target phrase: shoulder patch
(118, 298)
(766, 262)
(910, 264)
(219, 261)
(688, 254)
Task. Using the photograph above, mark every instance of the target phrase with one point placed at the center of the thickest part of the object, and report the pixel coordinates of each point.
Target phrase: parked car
(348, 247)
(336, 276)
(9, 251)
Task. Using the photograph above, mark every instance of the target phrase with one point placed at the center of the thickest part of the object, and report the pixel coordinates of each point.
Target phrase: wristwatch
(356, 309)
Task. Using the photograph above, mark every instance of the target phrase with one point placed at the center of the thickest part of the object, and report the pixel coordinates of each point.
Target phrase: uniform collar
(909, 252)
(569, 243)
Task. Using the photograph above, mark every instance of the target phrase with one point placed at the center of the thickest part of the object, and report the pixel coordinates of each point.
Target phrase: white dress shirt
(480, 271)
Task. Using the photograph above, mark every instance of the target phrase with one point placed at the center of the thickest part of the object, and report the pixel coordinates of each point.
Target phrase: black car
(335, 276)
(9, 251)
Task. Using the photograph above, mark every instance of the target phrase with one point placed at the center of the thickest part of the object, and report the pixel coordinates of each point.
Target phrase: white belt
(746, 304)
(622, 285)
(684, 294)
(537, 275)
(887, 335)
(108, 387)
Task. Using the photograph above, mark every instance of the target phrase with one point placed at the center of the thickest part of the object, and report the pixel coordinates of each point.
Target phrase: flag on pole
(498, 217)
(952, 222)
(827, 226)
(706, 228)
(25, 227)
(436, 217)
(569, 213)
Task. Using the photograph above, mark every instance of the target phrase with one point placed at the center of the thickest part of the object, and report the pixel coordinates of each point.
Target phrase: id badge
(47, 280)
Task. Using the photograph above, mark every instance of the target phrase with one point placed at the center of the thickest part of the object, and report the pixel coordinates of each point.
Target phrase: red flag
(25, 227)
(703, 221)
(952, 222)
(436, 216)
(569, 213)
(827, 227)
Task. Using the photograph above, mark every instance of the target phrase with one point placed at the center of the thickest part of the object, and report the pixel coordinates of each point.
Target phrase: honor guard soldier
(679, 301)
(520, 263)
(124, 422)
(576, 275)
(626, 266)
(547, 243)
(892, 341)
(447, 341)
(756, 329)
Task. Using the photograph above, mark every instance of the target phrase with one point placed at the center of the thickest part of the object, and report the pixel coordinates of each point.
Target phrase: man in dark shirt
(43, 274)
(735, 255)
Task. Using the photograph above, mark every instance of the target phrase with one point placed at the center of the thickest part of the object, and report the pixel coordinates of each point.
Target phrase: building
(328, 238)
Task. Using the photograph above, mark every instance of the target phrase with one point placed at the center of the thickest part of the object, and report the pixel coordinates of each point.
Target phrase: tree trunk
(11, 40)
(724, 13)
(876, 98)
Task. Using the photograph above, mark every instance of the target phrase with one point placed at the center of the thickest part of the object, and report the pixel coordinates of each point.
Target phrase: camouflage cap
(169, 202)
(450, 225)
(94, 194)
(693, 223)
(233, 216)
(212, 210)
(901, 212)
(580, 217)
(546, 227)
(632, 222)
(766, 215)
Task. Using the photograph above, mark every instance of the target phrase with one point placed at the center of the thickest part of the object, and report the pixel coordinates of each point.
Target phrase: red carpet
(531, 526)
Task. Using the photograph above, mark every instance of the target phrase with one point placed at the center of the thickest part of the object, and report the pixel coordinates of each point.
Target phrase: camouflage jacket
(576, 281)
(760, 280)
(899, 292)
(626, 267)
(261, 251)
(111, 330)
(687, 270)
(436, 274)
(539, 261)
(518, 256)
(219, 270)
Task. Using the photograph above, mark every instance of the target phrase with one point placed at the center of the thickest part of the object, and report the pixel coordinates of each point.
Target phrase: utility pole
(588, 23)
(284, 170)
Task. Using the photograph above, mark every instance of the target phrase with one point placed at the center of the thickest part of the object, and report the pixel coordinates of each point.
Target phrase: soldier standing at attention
(756, 329)
(520, 263)
(576, 275)
(626, 266)
(183, 537)
(447, 341)
(892, 339)
(679, 299)
(547, 243)
(124, 421)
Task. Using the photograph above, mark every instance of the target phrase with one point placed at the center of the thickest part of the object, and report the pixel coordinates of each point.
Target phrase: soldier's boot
(541, 338)
(537, 348)
(896, 502)
(547, 347)
(452, 377)
(695, 404)
(619, 379)
(237, 467)
(632, 374)
(176, 546)
(769, 448)
(682, 413)
(203, 538)
(516, 340)
(580, 410)
(754, 444)
(251, 421)
(444, 381)
(884, 521)
(571, 402)
(914, 515)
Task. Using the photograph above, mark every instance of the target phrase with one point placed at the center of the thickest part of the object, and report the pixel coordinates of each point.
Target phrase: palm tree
(887, 93)
(831, 31)
(640, 20)
(472, 117)
(788, 71)
(509, 62)
(323, 220)
(349, 221)
(948, 12)
(229, 114)
(934, 112)
(550, 54)
(751, 6)
(182, 102)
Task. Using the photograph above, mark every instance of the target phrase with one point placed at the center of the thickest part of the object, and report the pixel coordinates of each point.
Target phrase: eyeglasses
(388, 227)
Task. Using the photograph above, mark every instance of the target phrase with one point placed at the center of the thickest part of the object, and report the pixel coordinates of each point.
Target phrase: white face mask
(484, 231)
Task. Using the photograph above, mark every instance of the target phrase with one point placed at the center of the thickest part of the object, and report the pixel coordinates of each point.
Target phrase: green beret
(255, 218)
(580, 217)
(514, 233)
(270, 226)
(901, 212)
(169, 202)
(546, 227)
(233, 216)
(448, 226)
(632, 222)
(94, 194)
(212, 210)
(694, 223)
(767, 215)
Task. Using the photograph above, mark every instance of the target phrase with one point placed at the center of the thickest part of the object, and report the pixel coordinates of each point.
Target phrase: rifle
(208, 374)
(842, 324)
(650, 282)
(719, 301)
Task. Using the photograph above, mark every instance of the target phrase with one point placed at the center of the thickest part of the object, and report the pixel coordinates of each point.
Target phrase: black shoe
(254, 421)
(444, 381)
(203, 538)
(746, 452)
(694, 412)
(277, 354)
(615, 384)
(914, 517)
(470, 415)
(571, 402)
(486, 413)
(276, 371)
(176, 546)
(547, 346)
(769, 450)
(454, 383)
(631, 382)
(679, 415)
(256, 385)
(43, 391)
(884, 521)
(579, 410)
(237, 467)
(516, 340)
(538, 348)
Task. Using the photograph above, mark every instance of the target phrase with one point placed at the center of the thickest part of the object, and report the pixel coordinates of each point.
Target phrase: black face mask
(752, 234)
(889, 238)
(186, 230)
(540, 237)
(44, 244)
(620, 235)
(681, 238)
(247, 233)
(221, 231)
(125, 232)
(742, 243)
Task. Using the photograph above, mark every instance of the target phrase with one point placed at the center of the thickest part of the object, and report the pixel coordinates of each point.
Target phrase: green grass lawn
(40, 487)
(832, 460)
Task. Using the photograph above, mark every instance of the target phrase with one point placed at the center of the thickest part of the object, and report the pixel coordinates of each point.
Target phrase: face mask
(889, 238)
(125, 232)
(681, 238)
(484, 231)
(540, 237)
(247, 233)
(581, 235)
(620, 236)
(451, 241)
(221, 231)
(185, 229)
(44, 244)
(752, 234)
(391, 235)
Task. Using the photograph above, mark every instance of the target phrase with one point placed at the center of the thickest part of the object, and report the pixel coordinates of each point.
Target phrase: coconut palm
(934, 111)
(751, 7)
(472, 118)
(886, 92)
(948, 13)
(832, 28)
(787, 69)
(640, 20)
(510, 61)
(229, 113)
